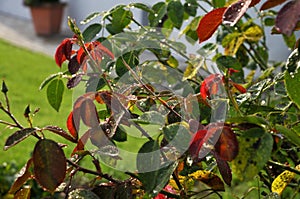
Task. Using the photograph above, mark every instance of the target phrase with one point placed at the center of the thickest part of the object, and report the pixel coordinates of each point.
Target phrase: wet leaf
(190, 7)
(59, 131)
(22, 177)
(49, 164)
(209, 24)
(91, 17)
(130, 58)
(49, 79)
(55, 92)
(18, 136)
(91, 32)
(255, 147)
(235, 11)
(159, 11)
(151, 117)
(175, 12)
(141, 6)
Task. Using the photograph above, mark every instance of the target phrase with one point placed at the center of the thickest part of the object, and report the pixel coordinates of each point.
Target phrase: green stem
(285, 167)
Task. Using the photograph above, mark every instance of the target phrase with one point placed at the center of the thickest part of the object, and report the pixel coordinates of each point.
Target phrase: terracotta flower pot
(47, 18)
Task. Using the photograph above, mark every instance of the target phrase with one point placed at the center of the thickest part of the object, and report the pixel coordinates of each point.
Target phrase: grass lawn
(23, 72)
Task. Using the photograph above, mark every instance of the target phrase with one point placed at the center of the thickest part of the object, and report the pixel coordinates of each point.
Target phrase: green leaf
(49, 164)
(190, 7)
(255, 147)
(231, 62)
(254, 33)
(175, 12)
(290, 41)
(159, 11)
(55, 92)
(177, 134)
(251, 119)
(218, 3)
(152, 174)
(151, 117)
(91, 17)
(18, 136)
(141, 6)
(272, 196)
(49, 79)
(207, 49)
(130, 58)
(121, 18)
(291, 135)
(91, 31)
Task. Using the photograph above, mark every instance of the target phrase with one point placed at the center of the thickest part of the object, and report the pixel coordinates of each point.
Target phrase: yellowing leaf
(254, 33)
(233, 46)
(283, 180)
(209, 178)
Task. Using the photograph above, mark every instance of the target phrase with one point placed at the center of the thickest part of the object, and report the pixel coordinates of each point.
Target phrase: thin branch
(18, 125)
(285, 167)
(105, 176)
(9, 124)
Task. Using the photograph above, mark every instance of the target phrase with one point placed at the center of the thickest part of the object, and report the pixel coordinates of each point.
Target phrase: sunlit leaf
(49, 164)
(209, 24)
(49, 79)
(175, 12)
(22, 177)
(281, 181)
(255, 147)
(88, 113)
(64, 51)
(72, 127)
(209, 178)
(91, 17)
(18, 136)
(253, 33)
(55, 92)
(232, 43)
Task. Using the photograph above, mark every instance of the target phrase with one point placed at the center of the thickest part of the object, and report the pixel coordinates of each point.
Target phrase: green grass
(23, 71)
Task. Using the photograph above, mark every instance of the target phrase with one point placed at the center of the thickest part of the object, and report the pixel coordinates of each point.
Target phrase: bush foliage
(187, 105)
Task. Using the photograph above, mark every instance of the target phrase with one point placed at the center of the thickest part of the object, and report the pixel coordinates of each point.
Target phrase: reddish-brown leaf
(72, 127)
(271, 3)
(253, 3)
(81, 142)
(209, 24)
(98, 137)
(64, 51)
(49, 164)
(88, 113)
(227, 145)
(224, 169)
(73, 65)
(23, 176)
(197, 142)
(103, 97)
(287, 17)
(59, 131)
(18, 136)
(235, 11)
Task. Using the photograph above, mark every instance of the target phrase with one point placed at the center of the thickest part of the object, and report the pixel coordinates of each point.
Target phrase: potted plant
(46, 15)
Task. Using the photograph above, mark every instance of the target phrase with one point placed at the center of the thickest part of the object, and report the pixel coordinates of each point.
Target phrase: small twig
(18, 125)
(285, 167)
(176, 181)
(105, 176)
(9, 124)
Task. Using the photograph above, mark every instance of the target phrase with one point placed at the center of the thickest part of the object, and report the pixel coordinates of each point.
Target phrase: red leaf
(71, 126)
(210, 86)
(64, 51)
(271, 3)
(287, 17)
(235, 11)
(239, 87)
(227, 145)
(81, 142)
(209, 24)
(197, 142)
(59, 131)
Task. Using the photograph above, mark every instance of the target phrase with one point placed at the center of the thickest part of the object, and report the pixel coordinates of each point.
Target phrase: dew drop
(263, 102)
(155, 15)
(159, 21)
(188, 4)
